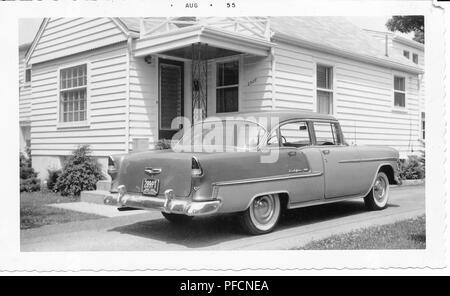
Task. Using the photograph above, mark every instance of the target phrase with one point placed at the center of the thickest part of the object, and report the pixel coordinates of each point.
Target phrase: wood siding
(363, 97)
(24, 92)
(67, 36)
(107, 103)
(143, 100)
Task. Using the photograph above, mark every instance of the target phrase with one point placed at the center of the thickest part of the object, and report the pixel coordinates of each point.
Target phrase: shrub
(412, 168)
(163, 144)
(53, 176)
(28, 177)
(80, 172)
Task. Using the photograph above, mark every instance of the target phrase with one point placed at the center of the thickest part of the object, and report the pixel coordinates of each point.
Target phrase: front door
(341, 162)
(171, 105)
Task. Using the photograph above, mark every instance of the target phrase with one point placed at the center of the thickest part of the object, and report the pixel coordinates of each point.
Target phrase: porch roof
(220, 43)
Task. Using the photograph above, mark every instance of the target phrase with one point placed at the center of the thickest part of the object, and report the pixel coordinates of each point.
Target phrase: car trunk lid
(169, 169)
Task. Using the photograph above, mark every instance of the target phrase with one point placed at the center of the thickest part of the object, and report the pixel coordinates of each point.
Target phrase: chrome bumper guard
(168, 204)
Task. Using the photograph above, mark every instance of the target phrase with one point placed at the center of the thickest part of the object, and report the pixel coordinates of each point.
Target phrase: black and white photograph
(200, 133)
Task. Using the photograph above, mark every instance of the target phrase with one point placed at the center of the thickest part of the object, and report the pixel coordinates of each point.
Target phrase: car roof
(283, 115)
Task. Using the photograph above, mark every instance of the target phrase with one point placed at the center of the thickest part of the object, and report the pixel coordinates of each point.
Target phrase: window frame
(25, 81)
(73, 124)
(405, 92)
(328, 90)
(339, 136)
(225, 60)
(279, 135)
(422, 125)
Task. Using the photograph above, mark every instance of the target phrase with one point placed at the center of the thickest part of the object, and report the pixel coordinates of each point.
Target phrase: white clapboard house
(117, 83)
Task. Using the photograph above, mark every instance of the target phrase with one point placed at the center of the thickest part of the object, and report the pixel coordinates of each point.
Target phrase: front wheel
(177, 218)
(378, 196)
(262, 215)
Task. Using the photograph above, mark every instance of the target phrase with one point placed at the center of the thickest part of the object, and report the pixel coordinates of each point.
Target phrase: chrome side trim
(265, 179)
(368, 160)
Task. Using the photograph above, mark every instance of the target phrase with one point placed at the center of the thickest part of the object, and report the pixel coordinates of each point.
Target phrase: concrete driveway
(150, 231)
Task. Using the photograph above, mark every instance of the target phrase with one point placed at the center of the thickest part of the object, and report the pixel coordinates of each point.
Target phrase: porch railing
(256, 26)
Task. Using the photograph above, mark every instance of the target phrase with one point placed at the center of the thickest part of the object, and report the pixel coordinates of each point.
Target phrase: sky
(29, 26)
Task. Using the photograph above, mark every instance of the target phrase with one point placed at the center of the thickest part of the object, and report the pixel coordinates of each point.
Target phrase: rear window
(327, 133)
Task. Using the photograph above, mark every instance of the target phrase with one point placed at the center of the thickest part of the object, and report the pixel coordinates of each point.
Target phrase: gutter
(348, 54)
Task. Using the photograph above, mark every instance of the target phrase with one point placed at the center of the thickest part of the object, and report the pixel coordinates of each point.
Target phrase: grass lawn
(406, 234)
(34, 211)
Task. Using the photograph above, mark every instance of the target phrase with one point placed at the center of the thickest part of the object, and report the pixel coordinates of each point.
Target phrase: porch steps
(96, 196)
(104, 185)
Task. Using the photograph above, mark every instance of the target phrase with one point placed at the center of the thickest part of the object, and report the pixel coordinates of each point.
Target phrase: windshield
(221, 136)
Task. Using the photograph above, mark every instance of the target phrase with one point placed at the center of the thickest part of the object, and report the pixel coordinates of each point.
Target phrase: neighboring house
(117, 83)
(24, 99)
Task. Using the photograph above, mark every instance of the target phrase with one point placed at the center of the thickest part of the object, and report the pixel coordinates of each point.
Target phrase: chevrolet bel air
(256, 165)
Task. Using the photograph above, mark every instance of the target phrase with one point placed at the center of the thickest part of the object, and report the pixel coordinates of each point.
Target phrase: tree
(408, 23)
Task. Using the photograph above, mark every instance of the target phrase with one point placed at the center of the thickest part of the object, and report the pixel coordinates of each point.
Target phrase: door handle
(292, 153)
(326, 152)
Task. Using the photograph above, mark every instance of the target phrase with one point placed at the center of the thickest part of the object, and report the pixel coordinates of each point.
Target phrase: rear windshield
(221, 135)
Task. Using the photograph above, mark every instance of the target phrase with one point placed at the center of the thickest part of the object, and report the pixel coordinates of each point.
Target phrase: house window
(406, 54)
(399, 92)
(227, 87)
(27, 75)
(422, 125)
(73, 94)
(415, 58)
(324, 85)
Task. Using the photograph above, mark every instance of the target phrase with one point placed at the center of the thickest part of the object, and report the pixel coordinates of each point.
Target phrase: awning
(221, 43)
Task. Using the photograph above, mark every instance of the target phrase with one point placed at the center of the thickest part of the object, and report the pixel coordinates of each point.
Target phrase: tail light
(111, 166)
(196, 168)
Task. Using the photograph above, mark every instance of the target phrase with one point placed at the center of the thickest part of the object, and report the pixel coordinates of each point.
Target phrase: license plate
(150, 187)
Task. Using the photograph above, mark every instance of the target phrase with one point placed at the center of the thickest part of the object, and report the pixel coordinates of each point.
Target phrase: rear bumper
(168, 204)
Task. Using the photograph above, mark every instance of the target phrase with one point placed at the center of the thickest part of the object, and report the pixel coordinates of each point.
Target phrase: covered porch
(200, 63)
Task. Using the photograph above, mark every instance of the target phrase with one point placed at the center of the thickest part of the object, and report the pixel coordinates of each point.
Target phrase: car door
(341, 162)
(304, 164)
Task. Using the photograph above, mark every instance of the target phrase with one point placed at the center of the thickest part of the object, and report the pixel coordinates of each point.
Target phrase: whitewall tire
(378, 197)
(262, 215)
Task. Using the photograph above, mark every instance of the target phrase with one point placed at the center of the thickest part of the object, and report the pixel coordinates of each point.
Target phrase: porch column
(199, 81)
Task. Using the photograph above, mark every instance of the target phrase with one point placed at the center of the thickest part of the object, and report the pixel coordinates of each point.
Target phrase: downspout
(127, 117)
(386, 41)
(273, 69)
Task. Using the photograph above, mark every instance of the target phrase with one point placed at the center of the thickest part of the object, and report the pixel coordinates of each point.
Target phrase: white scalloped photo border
(228, 262)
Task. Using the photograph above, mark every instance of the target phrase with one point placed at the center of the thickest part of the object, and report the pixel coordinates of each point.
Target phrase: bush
(28, 177)
(163, 144)
(412, 168)
(80, 172)
(53, 176)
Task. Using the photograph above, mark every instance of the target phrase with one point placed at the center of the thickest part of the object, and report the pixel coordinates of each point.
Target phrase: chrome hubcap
(263, 208)
(379, 189)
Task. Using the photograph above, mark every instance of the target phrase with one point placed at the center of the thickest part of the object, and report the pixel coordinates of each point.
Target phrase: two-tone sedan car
(256, 170)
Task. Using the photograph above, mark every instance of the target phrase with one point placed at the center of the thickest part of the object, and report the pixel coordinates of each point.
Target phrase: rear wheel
(262, 215)
(177, 218)
(378, 196)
